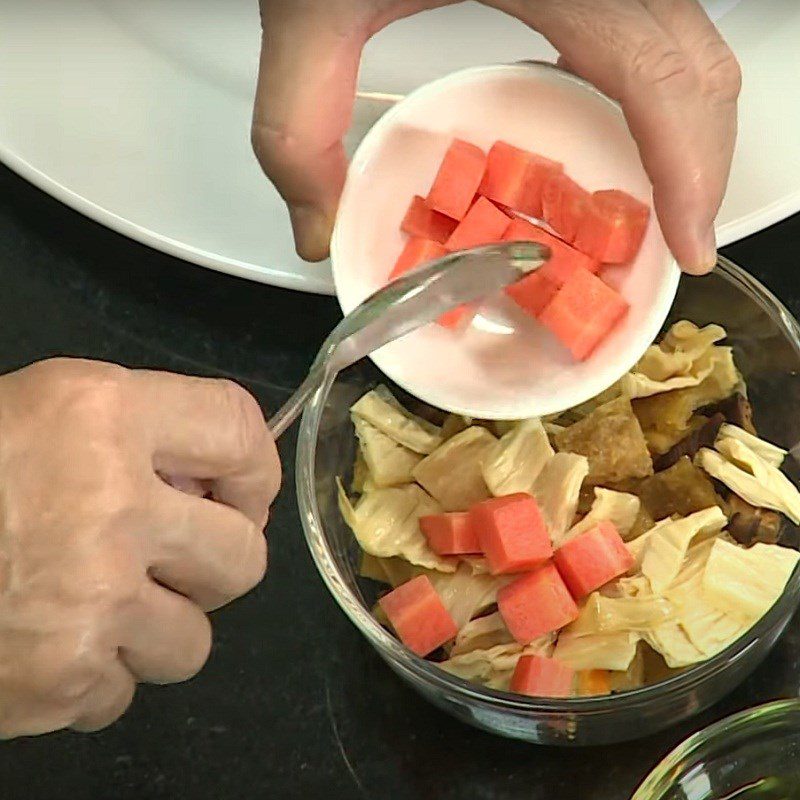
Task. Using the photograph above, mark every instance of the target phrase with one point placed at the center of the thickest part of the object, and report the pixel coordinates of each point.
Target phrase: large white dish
(137, 115)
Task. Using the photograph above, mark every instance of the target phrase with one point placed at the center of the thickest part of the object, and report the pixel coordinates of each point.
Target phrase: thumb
(304, 103)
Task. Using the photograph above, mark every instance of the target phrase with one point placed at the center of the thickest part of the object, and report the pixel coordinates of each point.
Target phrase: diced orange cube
(563, 258)
(613, 227)
(425, 223)
(538, 676)
(418, 616)
(450, 534)
(592, 559)
(484, 223)
(511, 533)
(458, 179)
(564, 205)
(516, 177)
(583, 312)
(533, 293)
(416, 252)
(536, 603)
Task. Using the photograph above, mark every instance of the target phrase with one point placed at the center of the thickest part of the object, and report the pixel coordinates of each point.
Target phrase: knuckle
(104, 707)
(248, 428)
(196, 652)
(64, 681)
(31, 722)
(720, 71)
(115, 711)
(253, 561)
(656, 64)
(112, 582)
(275, 145)
(89, 390)
(245, 566)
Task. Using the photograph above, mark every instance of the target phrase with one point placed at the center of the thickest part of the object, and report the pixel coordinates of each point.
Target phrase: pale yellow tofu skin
(452, 473)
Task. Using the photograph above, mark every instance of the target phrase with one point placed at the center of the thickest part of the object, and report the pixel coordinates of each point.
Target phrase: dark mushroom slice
(690, 445)
(438, 655)
(655, 668)
(453, 424)
(585, 499)
(737, 411)
(643, 522)
(749, 524)
(682, 489)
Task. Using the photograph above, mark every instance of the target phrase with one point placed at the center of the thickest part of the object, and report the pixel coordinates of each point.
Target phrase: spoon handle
(408, 303)
(293, 407)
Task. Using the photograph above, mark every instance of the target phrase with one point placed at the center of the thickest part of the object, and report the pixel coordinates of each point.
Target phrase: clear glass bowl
(753, 754)
(766, 340)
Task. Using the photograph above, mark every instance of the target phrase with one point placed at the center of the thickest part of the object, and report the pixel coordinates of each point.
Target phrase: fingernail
(312, 232)
(708, 254)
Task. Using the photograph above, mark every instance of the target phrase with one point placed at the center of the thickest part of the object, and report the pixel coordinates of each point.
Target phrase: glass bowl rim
(664, 774)
(428, 673)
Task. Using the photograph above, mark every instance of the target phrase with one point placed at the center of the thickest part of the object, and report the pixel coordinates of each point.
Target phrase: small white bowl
(505, 365)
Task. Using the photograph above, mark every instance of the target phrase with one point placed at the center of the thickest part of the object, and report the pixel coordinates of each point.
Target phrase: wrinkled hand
(106, 571)
(663, 60)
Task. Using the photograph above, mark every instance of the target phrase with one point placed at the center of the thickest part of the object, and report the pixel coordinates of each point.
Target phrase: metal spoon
(407, 304)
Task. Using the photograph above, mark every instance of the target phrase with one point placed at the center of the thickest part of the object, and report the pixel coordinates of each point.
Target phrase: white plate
(137, 114)
(505, 365)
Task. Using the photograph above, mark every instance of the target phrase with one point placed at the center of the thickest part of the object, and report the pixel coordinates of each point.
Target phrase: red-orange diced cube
(583, 313)
(418, 616)
(536, 603)
(564, 205)
(425, 223)
(538, 676)
(450, 534)
(457, 181)
(592, 559)
(484, 223)
(613, 227)
(515, 178)
(415, 253)
(511, 533)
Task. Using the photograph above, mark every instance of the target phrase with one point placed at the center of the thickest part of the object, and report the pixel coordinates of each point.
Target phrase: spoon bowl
(407, 304)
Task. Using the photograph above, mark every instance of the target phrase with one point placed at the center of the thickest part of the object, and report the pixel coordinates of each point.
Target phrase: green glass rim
(667, 772)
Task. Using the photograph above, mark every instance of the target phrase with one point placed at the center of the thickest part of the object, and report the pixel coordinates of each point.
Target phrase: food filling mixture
(583, 554)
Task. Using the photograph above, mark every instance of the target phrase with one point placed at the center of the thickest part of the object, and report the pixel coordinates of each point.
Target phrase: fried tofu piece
(612, 439)
(682, 489)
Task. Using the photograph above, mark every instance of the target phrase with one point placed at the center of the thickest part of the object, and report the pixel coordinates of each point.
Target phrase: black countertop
(293, 703)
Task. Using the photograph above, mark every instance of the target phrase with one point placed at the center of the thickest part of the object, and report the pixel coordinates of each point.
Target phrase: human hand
(106, 571)
(663, 60)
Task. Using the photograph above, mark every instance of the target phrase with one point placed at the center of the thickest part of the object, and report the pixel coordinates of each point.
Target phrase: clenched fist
(107, 570)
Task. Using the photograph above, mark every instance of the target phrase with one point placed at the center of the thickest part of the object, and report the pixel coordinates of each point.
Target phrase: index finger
(713, 136)
(679, 102)
(210, 429)
(304, 103)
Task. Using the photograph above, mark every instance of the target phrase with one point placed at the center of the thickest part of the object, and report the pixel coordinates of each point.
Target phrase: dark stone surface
(292, 704)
